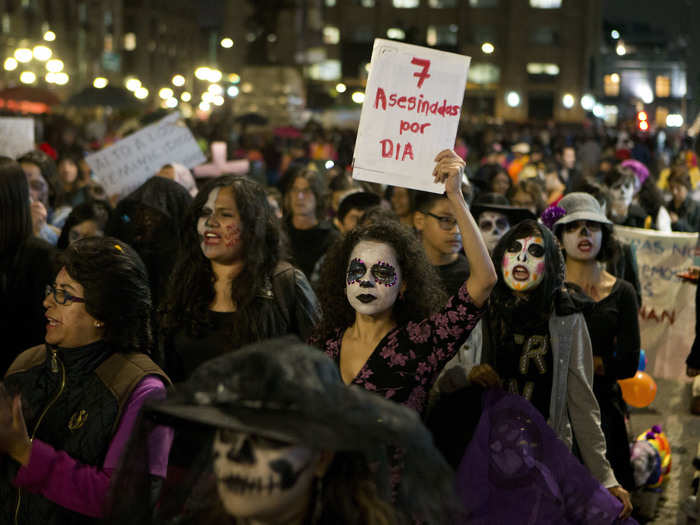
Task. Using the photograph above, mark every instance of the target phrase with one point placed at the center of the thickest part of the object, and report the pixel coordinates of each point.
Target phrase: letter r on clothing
(423, 73)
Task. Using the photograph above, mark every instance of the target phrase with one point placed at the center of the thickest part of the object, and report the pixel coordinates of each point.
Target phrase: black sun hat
(498, 203)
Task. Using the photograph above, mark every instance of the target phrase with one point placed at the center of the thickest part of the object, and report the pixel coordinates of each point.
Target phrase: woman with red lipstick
(67, 407)
(587, 240)
(230, 286)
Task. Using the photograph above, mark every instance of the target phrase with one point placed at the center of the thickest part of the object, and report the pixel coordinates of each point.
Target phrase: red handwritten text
(423, 73)
(418, 104)
(413, 127)
(393, 150)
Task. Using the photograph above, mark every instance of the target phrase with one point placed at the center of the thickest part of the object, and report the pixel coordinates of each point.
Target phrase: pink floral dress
(408, 360)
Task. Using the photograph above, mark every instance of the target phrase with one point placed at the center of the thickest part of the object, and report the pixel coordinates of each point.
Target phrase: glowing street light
(165, 93)
(171, 102)
(42, 53)
(207, 97)
(218, 100)
(341, 88)
(358, 97)
(132, 84)
(232, 91)
(599, 110)
(215, 75)
(204, 106)
(10, 64)
(49, 36)
(61, 78)
(23, 54)
(513, 99)
(27, 77)
(614, 34)
(202, 73)
(100, 82)
(186, 96)
(54, 65)
(234, 78)
(178, 80)
(620, 49)
(141, 93)
(487, 47)
(215, 89)
(226, 43)
(568, 101)
(50, 77)
(587, 102)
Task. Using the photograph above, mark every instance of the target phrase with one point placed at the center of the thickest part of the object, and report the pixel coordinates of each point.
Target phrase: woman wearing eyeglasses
(67, 407)
(388, 327)
(25, 266)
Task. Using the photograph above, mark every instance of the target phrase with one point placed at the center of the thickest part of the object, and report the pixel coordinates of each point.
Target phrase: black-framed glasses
(61, 296)
(446, 223)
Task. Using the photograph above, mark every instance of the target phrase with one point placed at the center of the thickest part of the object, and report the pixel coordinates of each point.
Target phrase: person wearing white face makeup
(533, 342)
(612, 321)
(230, 286)
(270, 435)
(389, 329)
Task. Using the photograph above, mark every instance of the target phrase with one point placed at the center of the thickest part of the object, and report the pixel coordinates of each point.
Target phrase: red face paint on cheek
(540, 268)
(232, 235)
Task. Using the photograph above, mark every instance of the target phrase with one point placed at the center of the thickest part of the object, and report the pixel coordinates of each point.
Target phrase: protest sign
(413, 102)
(667, 315)
(16, 136)
(125, 165)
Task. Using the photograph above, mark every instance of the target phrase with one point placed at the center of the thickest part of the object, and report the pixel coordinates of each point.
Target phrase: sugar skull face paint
(523, 264)
(373, 278)
(260, 478)
(220, 227)
(623, 192)
(493, 226)
(582, 240)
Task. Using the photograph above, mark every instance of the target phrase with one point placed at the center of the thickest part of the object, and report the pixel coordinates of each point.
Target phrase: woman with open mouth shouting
(587, 240)
(533, 342)
(387, 326)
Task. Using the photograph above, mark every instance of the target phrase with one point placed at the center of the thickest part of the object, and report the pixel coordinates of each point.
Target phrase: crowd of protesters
(420, 319)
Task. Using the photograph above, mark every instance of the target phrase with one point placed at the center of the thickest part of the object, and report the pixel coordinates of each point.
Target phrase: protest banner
(125, 165)
(16, 136)
(412, 107)
(667, 315)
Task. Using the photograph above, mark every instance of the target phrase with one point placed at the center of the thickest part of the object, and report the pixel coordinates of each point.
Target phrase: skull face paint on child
(219, 227)
(523, 264)
(261, 478)
(373, 279)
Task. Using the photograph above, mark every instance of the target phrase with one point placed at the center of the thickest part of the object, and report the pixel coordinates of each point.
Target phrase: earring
(99, 324)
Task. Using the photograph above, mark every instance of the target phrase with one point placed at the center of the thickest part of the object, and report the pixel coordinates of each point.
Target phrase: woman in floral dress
(388, 327)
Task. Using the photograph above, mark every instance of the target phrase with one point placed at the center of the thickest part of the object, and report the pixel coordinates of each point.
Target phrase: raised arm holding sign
(412, 108)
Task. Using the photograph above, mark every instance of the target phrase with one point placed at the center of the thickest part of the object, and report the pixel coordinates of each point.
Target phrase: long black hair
(116, 290)
(191, 289)
(15, 210)
(423, 295)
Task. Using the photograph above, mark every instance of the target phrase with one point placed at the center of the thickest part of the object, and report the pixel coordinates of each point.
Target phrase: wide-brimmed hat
(581, 206)
(498, 203)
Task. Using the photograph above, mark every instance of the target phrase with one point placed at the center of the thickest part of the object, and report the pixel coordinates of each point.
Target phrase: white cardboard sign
(16, 136)
(125, 165)
(412, 107)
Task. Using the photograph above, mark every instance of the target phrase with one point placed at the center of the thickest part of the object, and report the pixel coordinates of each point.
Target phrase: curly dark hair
(422, 297)
(116, 290)
(541, 299)
(191, 288)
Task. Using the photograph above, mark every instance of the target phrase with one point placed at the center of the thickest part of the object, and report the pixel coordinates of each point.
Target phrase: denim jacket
(573, 403)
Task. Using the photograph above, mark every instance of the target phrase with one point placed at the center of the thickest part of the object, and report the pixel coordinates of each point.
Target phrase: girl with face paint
(611, 318)
(385, 321)
(271, 435)
(533, 342)
(230, 286)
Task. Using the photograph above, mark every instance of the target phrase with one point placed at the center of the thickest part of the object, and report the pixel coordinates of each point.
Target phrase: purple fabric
(516, 470)
(83, 488)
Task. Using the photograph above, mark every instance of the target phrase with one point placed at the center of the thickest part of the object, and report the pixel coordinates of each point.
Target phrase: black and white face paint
(493, 226)
(373, 278)
(623, 192)
(261, 478)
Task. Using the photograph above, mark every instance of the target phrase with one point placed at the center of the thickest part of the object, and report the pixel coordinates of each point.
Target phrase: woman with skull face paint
(533, 341)
(586, 237)
(385, 328)
(275, 437)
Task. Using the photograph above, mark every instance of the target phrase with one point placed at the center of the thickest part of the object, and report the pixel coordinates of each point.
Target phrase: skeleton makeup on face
(261, 478)
(623, 192)
(523, 264)
(582, 240)
(493, 226)
(373, 278)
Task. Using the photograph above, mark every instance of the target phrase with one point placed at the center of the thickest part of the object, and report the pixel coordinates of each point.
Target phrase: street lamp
(232, 91)
(61, 78)
(568, 101)
(488, 48)
(23, 54)
(27, 77)
(141, 93)
(165, 93)
(513, 99)
(171, 102)
(10, 64)
(226, 43)
(186, 96)
(100, 82)
(214, 75)
(42, 53)
(202, 73)
(341, 88)
(54, 65)
(178, 80)
(587, 102)
(358, 97)
(49, 36)
(215, 89)
(132, 84)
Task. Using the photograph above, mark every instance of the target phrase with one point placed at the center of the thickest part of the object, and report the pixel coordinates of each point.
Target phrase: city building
(531, 59)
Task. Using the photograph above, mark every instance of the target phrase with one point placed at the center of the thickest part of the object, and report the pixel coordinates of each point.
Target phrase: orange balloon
(638, 391)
